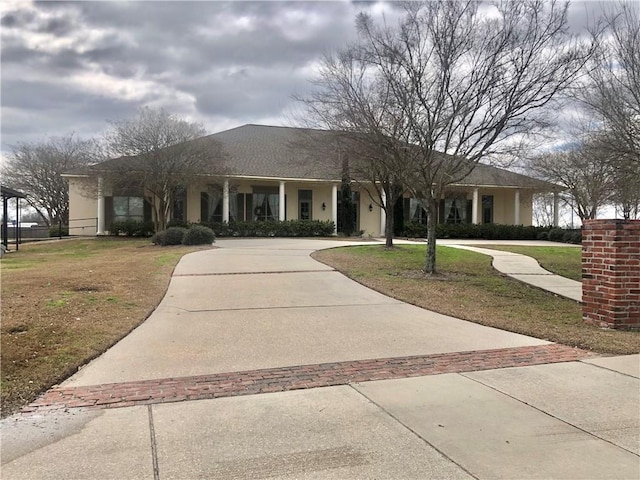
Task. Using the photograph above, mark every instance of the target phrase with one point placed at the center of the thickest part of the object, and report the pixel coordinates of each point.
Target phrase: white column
(556, 200)
(225, 201)
(100, 206)
(383, 216)
(516, 207)
(281, 210)
(334, 207)
(474, 207)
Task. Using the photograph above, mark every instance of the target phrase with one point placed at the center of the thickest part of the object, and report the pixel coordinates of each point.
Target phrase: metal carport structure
(7, 194)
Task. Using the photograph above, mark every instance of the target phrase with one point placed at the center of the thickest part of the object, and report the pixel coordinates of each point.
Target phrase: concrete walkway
(362, 386)
(524, 268)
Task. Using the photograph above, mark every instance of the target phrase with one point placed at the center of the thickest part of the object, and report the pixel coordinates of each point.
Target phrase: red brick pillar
(611, 273)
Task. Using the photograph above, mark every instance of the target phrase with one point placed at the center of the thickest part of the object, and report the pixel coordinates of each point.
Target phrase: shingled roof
(278, 152)
(286, 153)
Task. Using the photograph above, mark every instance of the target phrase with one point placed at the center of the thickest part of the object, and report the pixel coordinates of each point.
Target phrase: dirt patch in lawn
(66, 302)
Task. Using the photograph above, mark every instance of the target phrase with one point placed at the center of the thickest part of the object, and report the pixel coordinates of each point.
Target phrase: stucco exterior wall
(369, 220)
(83, 206)
(504, 206)
(526, 208)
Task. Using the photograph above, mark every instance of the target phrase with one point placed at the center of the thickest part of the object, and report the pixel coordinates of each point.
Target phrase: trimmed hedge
(56, 231)
(493, 231)
(179, 223)
(170, 236)
(132, 228)
(198, 235)
(288, 228)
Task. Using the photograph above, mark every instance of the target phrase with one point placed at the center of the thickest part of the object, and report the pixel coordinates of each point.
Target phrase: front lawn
(564, 261)
(468, 287)
(66, 302)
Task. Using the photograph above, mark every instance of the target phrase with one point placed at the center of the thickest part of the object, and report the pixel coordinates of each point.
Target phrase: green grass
(468, 287)
(564, 261)
(168, 258)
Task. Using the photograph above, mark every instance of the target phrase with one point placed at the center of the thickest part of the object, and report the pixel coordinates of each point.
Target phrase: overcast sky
(74, 66)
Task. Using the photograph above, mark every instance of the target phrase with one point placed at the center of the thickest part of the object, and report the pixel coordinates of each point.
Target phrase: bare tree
(585, 173)
(611, 94)
(36, 169)
(543, 209)
(160, 153)
(458, 85)
(354, 100)
(612, 88)
(626, 187)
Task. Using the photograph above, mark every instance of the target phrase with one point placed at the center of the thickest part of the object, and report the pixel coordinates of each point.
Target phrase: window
(128, 208)
(456, 209)
(266, 203)
(211, 204)
(304, 204)
(266, 206)
(487, 208)
(179, 210)
(413, 211)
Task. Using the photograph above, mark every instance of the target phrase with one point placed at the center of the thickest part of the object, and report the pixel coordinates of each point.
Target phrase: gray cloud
(233, 61)
(70, 66)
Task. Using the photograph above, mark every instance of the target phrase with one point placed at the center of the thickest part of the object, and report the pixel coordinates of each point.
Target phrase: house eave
(550, 188)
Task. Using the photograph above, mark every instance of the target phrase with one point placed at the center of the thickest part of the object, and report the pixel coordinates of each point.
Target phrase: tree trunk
(398, 215)
(389, 221)
(432, 219)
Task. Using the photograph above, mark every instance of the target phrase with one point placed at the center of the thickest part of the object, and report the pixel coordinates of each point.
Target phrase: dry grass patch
(469, 288)
(66, 302)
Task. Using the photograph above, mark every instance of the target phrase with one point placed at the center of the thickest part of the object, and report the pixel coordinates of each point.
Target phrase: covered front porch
(480, 205)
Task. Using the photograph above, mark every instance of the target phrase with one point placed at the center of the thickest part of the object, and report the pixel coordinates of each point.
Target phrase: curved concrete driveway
(254, 304)
(262, 303)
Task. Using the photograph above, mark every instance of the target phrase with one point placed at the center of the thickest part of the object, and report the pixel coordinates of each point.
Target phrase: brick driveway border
(145, 392)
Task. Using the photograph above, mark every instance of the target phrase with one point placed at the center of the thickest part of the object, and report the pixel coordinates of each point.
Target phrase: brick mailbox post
(611, 273)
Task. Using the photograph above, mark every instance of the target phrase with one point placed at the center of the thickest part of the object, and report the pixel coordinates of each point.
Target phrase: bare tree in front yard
(611, 94)
(36, 169)
(460, 83)
(356, 103)
(161, 153)
(611, 91)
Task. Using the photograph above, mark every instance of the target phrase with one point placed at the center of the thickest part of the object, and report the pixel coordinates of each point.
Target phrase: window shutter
(147, 209)
(108, 212)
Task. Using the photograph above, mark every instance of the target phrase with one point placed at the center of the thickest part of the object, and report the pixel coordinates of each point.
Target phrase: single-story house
(284, 173)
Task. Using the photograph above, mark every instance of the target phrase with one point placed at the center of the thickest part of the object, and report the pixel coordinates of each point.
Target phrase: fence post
(60, 228)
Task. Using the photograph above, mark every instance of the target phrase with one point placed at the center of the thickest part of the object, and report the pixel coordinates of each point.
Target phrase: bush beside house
(132, 228)
(288, 228)
(492, 231)
(170, 236)
(198, 235)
